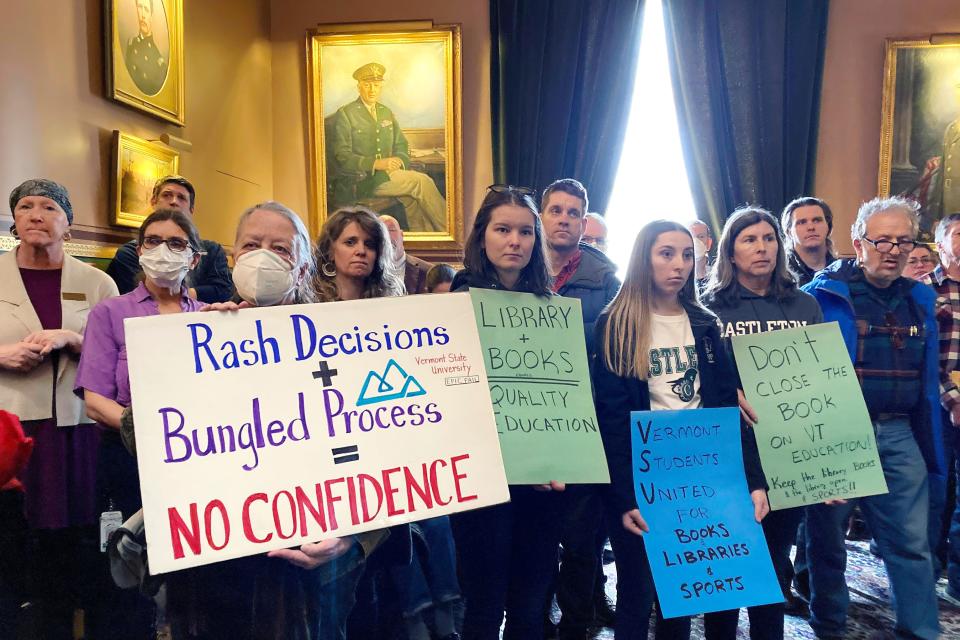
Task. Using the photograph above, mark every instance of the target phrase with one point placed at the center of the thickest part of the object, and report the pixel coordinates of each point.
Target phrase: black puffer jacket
(595, 283)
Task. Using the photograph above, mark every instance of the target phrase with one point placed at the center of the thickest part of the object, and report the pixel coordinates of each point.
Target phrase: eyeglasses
(177, 245)
(921, 260)
(508, 188)
(886, 246)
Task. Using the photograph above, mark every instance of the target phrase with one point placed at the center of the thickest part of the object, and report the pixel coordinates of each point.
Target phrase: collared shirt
(948, 318)
(103, 362)
(567, 271)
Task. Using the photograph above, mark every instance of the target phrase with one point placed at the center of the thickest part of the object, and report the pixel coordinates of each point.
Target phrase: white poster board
(267, 428)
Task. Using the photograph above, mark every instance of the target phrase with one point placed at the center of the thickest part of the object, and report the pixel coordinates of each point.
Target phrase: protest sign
(815, 437)
(706, 550)
(536, 361)
(267, 428)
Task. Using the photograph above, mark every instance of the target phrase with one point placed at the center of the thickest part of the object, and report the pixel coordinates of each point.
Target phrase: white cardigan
(27, 395)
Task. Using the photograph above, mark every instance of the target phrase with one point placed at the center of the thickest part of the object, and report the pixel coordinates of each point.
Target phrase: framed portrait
(144, 52)
(137, 165)
(385, 121)
(920, 131)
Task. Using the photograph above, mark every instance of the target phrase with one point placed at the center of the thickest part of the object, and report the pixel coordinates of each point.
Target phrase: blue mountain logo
(392, 385)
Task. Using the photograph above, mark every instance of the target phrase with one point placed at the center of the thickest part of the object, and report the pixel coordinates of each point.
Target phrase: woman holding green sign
(751, 291)
(508, 552)
(656, 312)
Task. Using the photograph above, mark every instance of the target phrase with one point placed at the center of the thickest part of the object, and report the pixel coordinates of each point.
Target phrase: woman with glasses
(508, 552)
(169, 246)
(655, 312)
(921, 261)
(751, 291)
(45, 297)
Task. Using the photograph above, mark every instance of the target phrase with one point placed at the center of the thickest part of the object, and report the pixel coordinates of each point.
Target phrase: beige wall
(849, 137)
(290, 20)
(55, 121)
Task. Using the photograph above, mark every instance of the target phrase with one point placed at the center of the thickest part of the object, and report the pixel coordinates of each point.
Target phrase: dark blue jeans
(508, 555)
(582, 550)
(898, 520)
(419, 584)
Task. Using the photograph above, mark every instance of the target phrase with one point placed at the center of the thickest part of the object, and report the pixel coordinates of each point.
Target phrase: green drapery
(562, 75)
(746, 77)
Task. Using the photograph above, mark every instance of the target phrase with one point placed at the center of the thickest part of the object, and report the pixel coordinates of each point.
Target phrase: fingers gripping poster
(268, 428)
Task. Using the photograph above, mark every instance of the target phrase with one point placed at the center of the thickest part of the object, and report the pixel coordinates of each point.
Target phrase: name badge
(66, 295)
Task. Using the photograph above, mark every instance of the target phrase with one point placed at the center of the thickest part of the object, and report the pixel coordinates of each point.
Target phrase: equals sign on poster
(345, 454)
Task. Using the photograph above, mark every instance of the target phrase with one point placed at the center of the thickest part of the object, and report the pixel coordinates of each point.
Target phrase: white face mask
(263, 278)
(165, 267)
(699, 249)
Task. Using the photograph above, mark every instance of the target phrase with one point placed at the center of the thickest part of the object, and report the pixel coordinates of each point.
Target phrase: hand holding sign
(814, 434)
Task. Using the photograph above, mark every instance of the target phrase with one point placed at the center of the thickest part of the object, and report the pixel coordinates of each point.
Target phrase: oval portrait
(145, 42)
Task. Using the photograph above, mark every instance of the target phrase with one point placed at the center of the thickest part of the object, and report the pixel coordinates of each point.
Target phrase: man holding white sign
(890, 331)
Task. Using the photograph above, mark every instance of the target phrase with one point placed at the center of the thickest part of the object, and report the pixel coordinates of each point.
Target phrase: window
(651, 180)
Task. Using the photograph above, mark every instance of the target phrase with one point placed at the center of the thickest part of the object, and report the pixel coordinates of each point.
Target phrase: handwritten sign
(814, 434)
(536, 361)
(272, 427)
(706, 550)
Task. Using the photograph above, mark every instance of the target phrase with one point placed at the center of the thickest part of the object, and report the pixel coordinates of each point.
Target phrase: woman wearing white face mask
(169, 246)
(288, 593)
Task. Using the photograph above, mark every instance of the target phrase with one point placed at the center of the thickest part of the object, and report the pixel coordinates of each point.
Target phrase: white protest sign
(267, 428)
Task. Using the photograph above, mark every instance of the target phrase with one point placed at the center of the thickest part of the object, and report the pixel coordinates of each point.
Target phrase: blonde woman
(656, 312)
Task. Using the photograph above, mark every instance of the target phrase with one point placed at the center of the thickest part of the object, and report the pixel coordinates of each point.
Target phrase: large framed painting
(920, 132)
(385, 126)
(137, 165)
(144, 52)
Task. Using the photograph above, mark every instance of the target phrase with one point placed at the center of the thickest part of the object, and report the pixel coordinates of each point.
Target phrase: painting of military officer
(372, 155)
(146, 53)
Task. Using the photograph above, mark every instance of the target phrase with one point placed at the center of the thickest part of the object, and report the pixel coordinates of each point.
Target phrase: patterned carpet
(869, 598)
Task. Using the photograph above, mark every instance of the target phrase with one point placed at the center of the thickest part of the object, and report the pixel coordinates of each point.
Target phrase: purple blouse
(103, 363)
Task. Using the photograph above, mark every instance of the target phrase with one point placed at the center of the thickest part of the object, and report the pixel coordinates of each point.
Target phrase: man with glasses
(210, 282)
(702, 243)
(595, 232)
(889, 328)
(579, 271)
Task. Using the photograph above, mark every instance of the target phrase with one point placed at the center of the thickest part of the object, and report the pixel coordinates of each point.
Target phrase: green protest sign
(536, 361)
(815, 437)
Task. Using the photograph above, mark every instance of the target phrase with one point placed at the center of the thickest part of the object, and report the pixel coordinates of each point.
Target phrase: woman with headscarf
(45, 297)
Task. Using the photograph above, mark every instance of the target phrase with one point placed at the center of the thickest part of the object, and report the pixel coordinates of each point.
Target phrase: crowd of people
(64, 381)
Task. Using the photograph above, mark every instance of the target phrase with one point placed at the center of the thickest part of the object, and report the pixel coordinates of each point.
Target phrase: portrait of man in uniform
(146, 54)
(369, 144)
(385, 119)
(920, 142)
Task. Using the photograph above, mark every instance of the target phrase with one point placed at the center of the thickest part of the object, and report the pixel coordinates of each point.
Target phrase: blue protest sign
(706, 551)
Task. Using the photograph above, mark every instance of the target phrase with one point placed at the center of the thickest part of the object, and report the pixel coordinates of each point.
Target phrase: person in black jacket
(210, 281)
(508, 552)
(807, 223)
(654, 329)
(751, 291)
(582, 272)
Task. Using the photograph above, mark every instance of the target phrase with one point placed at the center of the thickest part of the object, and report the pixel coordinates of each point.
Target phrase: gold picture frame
(144, 56)
(416, 131)
(920, 126)
(137, 165)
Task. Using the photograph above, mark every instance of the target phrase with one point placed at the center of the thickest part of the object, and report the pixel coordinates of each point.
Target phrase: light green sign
(815, 437)
(536, 361)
